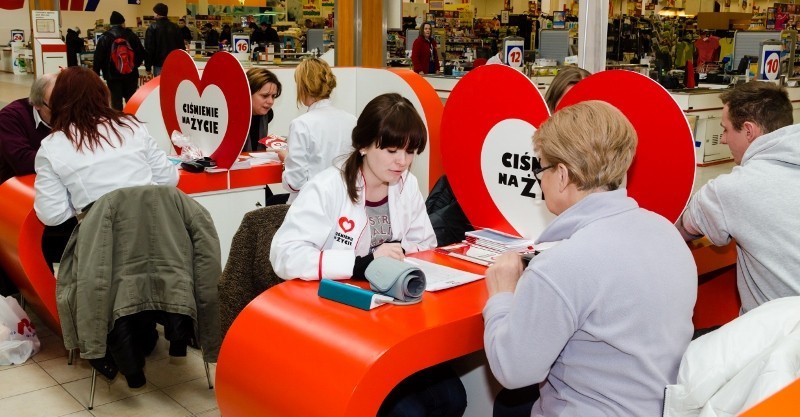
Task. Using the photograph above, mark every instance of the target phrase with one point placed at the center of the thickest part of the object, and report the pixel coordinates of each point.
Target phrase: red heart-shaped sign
(492, 113)
(213, 110)
(346, 224)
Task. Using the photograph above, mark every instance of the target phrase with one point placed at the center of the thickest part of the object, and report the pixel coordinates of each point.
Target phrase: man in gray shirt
(757, 204)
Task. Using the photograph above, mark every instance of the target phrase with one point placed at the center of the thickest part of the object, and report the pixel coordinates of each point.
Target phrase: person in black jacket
(161, 38)
(186, 33)
(74, 46)
(210, 35)
(120, 85)
(225, 36)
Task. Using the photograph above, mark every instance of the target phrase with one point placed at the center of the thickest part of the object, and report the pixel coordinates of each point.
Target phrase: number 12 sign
(513, 47)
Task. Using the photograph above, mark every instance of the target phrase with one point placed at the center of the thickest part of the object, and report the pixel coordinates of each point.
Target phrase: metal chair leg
(208, 375)
(91, 393)
(71, 357)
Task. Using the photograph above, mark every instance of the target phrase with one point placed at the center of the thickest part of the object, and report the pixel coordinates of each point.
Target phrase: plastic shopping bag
(18, 340)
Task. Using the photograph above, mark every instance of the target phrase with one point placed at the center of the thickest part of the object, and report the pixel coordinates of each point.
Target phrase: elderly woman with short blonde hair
(599, 321)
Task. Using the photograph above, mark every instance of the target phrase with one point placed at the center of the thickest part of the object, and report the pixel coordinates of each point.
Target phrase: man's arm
(18, 150)
(685, 233)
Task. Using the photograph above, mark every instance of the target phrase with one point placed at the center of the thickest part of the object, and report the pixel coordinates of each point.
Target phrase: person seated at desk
(320, 136)
(23, 125)
(563, 82)
(265, 89)
(601, 320)
(369, 208)
(756, 204)
(94, 149)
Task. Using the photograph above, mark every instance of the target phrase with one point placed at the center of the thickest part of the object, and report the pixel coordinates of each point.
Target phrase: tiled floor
(47, 386)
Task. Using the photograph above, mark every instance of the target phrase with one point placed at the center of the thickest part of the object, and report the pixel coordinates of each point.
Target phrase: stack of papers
(485, 245)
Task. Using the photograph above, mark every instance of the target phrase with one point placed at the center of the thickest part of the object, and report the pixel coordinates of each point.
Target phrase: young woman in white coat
(321, 135)
(370, 207)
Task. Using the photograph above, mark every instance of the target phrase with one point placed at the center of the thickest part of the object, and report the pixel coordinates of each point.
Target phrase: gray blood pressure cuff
(398, 279)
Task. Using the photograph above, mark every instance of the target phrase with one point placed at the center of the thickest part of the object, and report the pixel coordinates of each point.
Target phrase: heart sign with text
(212, 110)
(487, 128)
(662, 174)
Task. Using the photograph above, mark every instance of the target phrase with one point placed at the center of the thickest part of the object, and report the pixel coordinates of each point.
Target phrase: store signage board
(503, 194)
(45, 24)
(513, 47)
(17, 35)
(770, 62)
(207, 108)
(241, 47)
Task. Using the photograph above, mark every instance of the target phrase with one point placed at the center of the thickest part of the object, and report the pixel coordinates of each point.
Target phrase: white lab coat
(495, 59)
(316, 139)
(67, 180)
(324, 231)
(740, 364)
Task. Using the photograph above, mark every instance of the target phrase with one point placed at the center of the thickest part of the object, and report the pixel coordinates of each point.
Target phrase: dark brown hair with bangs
(80, 103)
(388, 121)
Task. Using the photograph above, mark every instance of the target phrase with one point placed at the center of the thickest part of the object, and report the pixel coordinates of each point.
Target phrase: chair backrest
(130, 253)
(248, 271)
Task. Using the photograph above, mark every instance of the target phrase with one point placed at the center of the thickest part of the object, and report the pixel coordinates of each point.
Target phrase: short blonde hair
(314, 79)
(593, 139)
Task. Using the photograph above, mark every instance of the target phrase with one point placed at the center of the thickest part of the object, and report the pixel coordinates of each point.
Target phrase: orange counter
(291, 352)
(21, 231)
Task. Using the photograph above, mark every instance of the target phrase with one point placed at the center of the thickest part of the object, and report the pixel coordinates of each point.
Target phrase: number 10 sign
(513, 47)
(770, 62)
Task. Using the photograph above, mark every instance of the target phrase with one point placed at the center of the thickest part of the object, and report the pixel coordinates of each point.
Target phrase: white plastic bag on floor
(18, 340)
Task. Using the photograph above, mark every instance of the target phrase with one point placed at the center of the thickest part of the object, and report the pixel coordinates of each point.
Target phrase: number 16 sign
(512, 48)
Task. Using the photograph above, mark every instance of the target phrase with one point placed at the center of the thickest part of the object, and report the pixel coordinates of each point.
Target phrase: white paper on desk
(440, 277)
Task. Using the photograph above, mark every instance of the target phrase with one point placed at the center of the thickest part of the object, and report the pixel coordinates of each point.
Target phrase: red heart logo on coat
(213, 110)
(487, 153)
(346, 224)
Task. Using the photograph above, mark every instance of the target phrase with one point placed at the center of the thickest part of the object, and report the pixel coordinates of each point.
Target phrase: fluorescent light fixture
(672, 11)
(270, 14)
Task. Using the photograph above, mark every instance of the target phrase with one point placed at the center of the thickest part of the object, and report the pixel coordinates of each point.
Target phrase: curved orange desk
(290, 352)
(21, 231)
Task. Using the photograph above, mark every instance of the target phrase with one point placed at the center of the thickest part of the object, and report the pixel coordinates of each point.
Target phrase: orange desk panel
(785, 402)
(21, 249)
(291, 352)
(256, 176)
(21, 232)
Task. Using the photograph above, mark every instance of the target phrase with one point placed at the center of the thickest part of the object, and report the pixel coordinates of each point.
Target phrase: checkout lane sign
(513, 52)
(770, 61)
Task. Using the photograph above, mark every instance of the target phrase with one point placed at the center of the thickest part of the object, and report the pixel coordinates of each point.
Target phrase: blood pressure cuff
(398, 279)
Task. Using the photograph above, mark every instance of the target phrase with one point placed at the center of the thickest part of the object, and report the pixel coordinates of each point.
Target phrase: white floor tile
(154, 403)
(211, 413)
(171, 371)
(22, 379)
(47, 402)
(105, 391)
(193, 395)
(63, 372)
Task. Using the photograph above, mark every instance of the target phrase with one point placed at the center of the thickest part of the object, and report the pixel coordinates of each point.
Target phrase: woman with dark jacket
(424, 54)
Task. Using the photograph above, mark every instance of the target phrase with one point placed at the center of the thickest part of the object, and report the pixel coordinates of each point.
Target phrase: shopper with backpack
(117, 57)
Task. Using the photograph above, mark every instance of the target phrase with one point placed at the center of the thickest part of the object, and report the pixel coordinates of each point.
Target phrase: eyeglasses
(538, 169)
(46, 105)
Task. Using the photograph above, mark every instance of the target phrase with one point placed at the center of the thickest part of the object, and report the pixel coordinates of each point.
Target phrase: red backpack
(122, 56)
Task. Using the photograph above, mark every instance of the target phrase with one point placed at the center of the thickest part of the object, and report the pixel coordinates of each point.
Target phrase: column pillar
(360, 29)
(592, 33)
